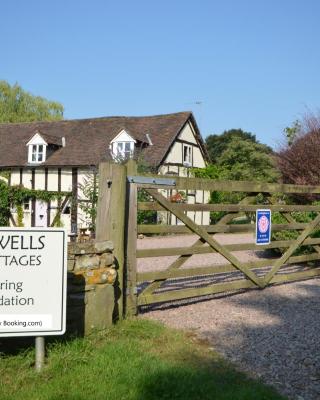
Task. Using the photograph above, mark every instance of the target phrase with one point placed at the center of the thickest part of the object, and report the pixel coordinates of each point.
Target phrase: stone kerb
(91, 278)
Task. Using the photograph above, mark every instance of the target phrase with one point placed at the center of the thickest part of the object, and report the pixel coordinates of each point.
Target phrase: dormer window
(122, 146)
(37, 155)
(123, 149)
(37, 149)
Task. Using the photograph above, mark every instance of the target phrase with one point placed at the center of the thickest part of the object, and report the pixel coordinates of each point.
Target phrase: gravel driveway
(272, 334)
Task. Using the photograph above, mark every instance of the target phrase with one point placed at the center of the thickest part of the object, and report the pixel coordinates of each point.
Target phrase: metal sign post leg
(40, 353)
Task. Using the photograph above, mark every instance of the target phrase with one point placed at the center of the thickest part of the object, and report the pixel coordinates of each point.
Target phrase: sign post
(33, 277)
(263, 227)
(40, 352)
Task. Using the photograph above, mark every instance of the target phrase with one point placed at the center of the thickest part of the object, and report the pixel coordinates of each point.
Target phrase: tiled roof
(50, 139)
(87, 140)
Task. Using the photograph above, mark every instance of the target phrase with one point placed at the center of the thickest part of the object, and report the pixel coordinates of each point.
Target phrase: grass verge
(135, 360)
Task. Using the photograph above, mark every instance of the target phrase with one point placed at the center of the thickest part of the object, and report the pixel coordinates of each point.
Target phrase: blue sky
(253, 64)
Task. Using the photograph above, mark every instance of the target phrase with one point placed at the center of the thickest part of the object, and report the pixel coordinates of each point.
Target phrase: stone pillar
(91, 278)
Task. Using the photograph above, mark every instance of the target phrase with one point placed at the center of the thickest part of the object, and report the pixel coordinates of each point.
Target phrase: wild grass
(135, 360)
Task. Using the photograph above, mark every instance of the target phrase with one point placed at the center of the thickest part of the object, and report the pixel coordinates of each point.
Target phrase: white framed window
(187, 155)
(27, 205)
(123, 150)
(37, 148)
(37, 155)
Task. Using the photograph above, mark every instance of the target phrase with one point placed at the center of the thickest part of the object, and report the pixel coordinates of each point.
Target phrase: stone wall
(91, 295)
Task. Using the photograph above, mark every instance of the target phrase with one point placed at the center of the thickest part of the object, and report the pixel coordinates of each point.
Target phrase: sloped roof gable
(48, 139)
(123, 135)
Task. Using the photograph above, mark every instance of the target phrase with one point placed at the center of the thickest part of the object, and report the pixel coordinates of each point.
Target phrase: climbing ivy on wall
(89, 189)
(15, 196)
(4, 203)
(19, 215)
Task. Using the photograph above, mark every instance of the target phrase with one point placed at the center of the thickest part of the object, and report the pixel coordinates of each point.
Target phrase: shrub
(300, 217)
(298, 161)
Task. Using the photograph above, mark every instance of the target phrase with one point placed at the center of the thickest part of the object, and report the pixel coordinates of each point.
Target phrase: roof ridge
(94, 119)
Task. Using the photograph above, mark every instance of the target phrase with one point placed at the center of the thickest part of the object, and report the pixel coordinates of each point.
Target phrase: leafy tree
(217, 144)
(242, 158)
(246, 160)
(292, 132)
(212, 171)
(17, 105)
(299, 161)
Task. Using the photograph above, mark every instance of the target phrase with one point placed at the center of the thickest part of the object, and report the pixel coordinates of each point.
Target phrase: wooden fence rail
(153, 206)
(175, 251)
(156, 229)
(145, 299)
(233, 186)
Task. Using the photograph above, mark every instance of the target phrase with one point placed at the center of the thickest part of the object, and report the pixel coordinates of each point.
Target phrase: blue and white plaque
(263, 226)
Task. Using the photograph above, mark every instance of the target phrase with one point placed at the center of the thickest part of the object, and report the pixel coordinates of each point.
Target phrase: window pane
(37, 153)
(120, 146)
(187, 154)
(26, 205)
(127, 146)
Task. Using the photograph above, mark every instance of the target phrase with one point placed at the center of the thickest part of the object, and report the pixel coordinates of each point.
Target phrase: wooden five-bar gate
(119, 186)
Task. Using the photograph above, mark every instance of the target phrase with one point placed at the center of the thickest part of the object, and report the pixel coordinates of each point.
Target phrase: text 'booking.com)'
(14, 322)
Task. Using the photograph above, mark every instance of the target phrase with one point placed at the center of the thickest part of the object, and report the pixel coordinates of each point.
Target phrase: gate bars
(117, 221)
(251, 279)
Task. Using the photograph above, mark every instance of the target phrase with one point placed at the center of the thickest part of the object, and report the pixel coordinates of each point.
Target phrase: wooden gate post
(110, 221)
(131, 243)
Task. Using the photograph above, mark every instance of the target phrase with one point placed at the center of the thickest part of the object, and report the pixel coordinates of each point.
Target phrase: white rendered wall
(66, 180)
(26, 178)
(53, 179)
(15, 177)
(198, 160)
(39, 179)
(175, 154)
(187, 134)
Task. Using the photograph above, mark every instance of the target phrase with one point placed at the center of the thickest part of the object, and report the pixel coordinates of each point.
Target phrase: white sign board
(33, 281)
